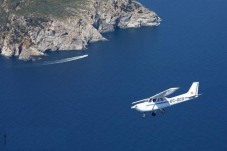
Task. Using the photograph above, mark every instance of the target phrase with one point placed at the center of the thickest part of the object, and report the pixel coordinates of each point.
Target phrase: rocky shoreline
(26, 36)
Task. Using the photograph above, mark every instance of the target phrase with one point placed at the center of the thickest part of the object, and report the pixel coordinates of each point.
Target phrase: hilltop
(30, 27)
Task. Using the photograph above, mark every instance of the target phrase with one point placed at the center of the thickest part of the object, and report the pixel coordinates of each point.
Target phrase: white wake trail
(62, 60)
(51, 62)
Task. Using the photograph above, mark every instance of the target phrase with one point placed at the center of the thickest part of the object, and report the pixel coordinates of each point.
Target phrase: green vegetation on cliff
(54, 8)
(40, 8)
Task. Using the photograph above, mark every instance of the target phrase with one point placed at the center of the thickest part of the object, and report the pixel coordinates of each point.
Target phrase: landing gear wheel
(153, 114)
(144, 115)
(163, 111)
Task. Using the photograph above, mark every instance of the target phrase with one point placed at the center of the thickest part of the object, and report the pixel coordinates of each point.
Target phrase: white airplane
(160, 101)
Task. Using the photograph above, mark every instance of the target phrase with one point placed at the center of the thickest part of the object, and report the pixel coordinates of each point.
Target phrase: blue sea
(84, 105)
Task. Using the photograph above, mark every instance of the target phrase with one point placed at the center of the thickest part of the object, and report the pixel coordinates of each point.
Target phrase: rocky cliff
(26, 31)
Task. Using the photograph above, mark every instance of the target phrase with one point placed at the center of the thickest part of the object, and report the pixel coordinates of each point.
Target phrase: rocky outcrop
(31, 35)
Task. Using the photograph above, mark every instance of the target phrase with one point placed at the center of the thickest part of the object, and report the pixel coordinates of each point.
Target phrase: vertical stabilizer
(193, 91)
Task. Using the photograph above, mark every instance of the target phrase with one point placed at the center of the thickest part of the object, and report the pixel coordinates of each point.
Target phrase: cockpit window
(154, 100)
(159, 100)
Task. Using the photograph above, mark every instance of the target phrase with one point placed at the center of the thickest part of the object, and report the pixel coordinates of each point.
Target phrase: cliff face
(26, 34)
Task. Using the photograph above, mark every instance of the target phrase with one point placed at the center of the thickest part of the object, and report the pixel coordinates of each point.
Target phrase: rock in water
(26, 34)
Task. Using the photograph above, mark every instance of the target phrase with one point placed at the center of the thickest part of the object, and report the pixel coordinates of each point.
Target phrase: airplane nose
(133, 107)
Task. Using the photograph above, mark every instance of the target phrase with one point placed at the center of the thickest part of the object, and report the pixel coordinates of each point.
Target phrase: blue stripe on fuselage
(158, 103)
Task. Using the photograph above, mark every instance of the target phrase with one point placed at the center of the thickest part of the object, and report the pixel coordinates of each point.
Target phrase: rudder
(194, 89)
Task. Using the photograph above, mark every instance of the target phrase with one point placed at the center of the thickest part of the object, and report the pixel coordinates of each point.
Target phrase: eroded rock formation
(32, 34)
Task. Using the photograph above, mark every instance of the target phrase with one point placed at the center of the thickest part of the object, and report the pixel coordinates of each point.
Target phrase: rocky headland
(28, 28)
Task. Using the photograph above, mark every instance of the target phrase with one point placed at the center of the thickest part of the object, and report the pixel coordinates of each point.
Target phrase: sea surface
(84, 105)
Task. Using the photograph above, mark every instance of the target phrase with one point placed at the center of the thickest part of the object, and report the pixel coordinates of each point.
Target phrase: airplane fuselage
(160, 100)
(162, 103)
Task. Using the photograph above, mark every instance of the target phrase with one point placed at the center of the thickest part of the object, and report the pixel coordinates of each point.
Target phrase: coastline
(30, 36)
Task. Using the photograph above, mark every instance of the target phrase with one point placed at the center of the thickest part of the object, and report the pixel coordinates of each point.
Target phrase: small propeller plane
(160, 100)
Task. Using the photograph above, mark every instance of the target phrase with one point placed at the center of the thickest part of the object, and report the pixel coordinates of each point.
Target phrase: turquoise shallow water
(85, 104)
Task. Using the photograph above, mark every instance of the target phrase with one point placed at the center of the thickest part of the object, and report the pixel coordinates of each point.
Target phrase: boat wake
(61, 60)
(45, 63)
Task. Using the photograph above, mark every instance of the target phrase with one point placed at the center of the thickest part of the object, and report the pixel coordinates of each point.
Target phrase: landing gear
(144, 115)
(153, 113)
(162, 111)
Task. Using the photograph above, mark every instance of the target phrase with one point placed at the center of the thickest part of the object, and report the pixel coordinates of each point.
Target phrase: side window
(154, 100)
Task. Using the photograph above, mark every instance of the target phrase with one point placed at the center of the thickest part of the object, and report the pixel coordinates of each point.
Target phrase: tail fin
(194, 89)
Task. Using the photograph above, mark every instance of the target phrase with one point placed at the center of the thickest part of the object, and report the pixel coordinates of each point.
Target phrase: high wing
(164, 93)
(159, 95)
